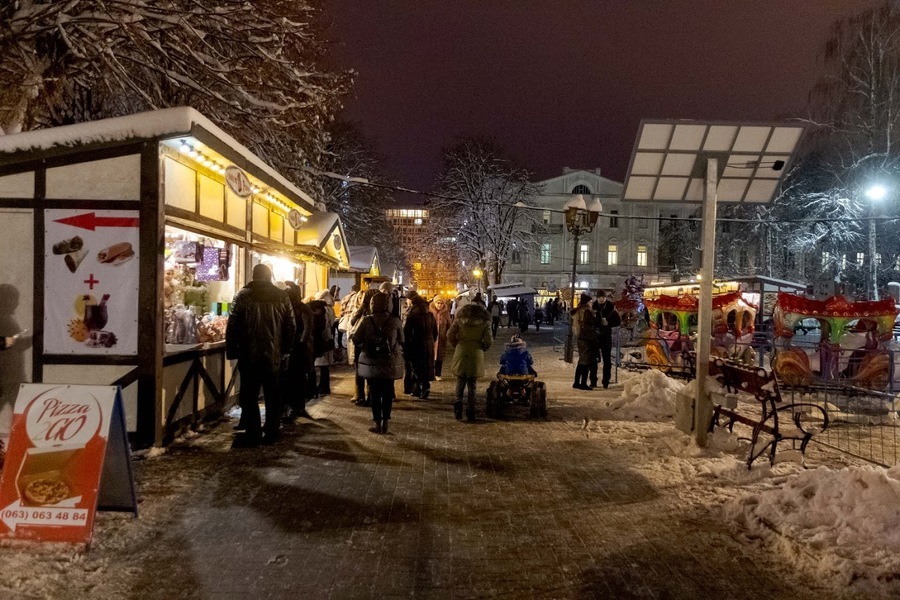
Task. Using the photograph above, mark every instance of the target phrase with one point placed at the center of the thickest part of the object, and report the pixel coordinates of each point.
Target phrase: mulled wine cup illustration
(96, 315)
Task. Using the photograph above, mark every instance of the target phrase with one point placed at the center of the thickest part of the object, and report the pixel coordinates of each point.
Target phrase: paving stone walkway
(439, 509)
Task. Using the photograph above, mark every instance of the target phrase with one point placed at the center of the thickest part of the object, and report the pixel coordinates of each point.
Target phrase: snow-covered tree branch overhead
(481, 186)
(252, 66)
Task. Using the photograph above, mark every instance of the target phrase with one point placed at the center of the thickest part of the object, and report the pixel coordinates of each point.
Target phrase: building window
(614, 219)
(643, 221)
(860, 258)
(584, 253)
(516, 256)
(581, 189)
(545, 218)
(418, 221)
(612, 254)
(878, 258)
(826, 257)
(642, 256)
(545, 253)
(843, 261)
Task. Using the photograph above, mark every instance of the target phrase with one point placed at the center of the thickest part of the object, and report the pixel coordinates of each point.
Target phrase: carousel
(833, 340)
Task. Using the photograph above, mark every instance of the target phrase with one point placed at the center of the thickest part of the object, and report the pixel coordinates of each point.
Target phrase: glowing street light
(876, 192)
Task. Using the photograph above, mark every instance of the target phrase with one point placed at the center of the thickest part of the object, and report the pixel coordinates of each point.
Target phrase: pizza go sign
(63, 438)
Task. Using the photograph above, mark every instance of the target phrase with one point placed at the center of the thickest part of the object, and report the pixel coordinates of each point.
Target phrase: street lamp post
(477, 273)
(580, 220)
(875, 193)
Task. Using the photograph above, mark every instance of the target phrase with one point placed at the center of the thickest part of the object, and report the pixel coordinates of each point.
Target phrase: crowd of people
(286, 345)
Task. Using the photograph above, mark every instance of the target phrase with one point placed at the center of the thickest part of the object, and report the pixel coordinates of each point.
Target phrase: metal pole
(873, 267)
(703, 407)
(568, 356)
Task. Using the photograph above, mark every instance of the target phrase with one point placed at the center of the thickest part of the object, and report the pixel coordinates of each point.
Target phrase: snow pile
(648, 397)
(841, 524)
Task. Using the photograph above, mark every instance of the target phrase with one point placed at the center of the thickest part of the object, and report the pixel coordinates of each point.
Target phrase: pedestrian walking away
(360, 397)
(607, 317)
(471, 336)
(380, 338)
(259, 332)
(300, 362)
(323, 341)
(496, 310)
(419, 334)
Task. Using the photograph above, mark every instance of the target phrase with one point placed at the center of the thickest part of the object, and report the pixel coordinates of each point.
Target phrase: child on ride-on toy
(517, 359)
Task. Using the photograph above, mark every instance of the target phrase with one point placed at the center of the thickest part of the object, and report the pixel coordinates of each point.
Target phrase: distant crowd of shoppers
(285, 345)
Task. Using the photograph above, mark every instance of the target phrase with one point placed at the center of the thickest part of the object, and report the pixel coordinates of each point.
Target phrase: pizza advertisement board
(61, 437)
(91, 279)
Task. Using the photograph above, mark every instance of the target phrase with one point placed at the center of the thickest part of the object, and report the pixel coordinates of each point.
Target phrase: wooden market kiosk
(111, 227)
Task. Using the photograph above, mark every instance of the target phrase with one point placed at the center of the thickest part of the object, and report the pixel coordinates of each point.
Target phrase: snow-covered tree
(251, 66)
(361, 206)
(479, 188)
(856, 108)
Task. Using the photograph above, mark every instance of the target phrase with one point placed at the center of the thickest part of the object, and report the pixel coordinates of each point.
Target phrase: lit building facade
(432, 272)
(624, 242)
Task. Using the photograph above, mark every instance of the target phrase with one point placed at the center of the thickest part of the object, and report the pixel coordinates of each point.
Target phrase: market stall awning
(324, 232)
(364, 259)
(511, 289)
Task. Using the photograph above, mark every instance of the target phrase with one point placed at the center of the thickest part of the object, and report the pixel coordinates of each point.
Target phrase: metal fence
(864, 419)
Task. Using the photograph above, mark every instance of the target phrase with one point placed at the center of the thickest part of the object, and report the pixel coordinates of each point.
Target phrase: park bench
(772, 427)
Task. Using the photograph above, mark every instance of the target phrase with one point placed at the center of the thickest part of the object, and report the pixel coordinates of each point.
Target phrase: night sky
(565, 83)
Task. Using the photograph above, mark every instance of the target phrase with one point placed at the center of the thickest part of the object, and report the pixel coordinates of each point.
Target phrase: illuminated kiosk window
(612, 254)
(545, 253)
(642, 256)
(584, 253)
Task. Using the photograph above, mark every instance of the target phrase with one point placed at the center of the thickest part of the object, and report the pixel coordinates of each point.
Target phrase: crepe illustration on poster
(91, 281)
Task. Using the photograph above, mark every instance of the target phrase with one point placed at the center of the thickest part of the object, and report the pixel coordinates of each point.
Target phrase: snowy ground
(834, 519)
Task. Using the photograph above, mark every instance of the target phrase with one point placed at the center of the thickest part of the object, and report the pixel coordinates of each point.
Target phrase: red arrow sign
(91, 221)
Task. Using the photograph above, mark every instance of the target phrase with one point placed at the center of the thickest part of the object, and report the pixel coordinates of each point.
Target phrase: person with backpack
(259, 332)
(380, 338)
(300, 362)
(471, 336)
(360, 398)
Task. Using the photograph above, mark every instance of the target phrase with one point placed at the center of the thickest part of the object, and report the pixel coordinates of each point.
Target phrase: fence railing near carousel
(862, 405)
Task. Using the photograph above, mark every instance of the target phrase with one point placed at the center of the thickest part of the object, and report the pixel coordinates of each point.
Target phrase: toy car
(520, 390)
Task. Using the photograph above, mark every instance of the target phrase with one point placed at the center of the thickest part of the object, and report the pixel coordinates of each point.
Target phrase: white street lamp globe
(576, 202)
(876, 192)
(595, 206)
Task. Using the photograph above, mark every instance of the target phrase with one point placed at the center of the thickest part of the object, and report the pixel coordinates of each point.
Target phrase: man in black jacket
(607, 318)
(260, 330)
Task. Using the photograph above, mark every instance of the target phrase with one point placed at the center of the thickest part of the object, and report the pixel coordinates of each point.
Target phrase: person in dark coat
(512, 312)
(360, 398)
(584, 327)
(523, 316)
(471, 336)
(380, 338)
(260, 331)
(300, 363)
(419, 334)
(607, 318)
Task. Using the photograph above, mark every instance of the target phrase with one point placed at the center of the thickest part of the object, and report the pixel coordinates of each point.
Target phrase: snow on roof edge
(164, 124)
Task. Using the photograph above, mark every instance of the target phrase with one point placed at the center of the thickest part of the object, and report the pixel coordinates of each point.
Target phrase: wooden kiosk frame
(131, 164)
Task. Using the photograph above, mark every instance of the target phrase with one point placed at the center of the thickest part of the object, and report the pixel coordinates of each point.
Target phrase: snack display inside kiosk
(199, 284)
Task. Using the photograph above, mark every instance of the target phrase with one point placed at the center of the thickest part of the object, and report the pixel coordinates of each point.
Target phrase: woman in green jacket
(471, 336)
